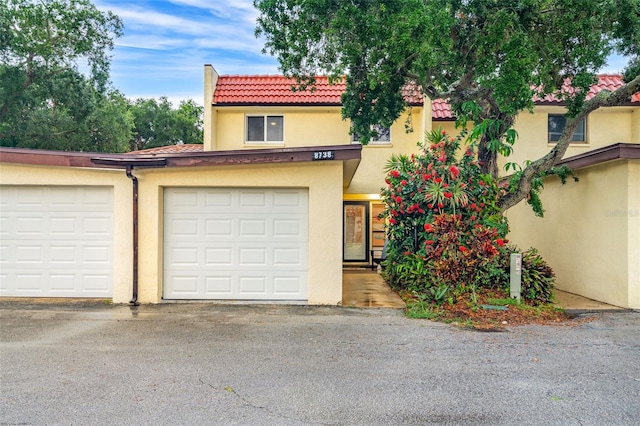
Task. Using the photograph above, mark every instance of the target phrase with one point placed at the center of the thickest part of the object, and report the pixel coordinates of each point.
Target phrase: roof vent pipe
(134, 180)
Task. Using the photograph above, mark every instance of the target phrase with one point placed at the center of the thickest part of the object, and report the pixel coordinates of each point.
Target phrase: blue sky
(167, 42)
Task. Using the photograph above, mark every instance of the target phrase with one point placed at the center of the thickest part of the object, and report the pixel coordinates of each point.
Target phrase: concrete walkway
(363, 288)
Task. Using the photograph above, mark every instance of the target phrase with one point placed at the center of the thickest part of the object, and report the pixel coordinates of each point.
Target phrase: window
(382, 135)
(556, 126)
(265, 128)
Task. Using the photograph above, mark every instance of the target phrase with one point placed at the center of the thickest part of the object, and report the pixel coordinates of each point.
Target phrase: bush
(442, 215)
(446, 233)
(538, 278)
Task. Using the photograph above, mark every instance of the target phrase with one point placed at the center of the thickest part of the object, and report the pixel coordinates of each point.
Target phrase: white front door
(56, 241)
(236, 243)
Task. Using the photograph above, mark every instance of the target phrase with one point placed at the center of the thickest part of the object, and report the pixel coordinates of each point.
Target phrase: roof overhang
(349, 155)
(618, 151)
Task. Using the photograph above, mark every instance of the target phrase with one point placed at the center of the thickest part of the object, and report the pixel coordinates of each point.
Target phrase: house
(278, 200)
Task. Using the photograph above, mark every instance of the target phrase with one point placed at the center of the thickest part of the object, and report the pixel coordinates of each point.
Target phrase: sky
(167, 42)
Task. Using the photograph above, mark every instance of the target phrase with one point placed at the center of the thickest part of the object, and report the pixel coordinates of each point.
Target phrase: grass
(466, 311)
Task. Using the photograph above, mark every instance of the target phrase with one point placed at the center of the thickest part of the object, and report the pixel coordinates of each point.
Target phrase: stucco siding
(310, 126)
(323, 180)
(585, 234)
(369, 178)
(604, 127)
(633, 217)
(325, 204)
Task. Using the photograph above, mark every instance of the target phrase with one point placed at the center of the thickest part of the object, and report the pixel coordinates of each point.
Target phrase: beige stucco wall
(13, 174)
(308, 126)
(635, 125)
(325, 221)
(633, 218)
(319, 126)
(323, 180)
(369, 177)
(590, 234)
(605, 126)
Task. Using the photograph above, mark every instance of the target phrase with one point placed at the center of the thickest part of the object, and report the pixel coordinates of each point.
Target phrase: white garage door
(56, 241)
(239, 244)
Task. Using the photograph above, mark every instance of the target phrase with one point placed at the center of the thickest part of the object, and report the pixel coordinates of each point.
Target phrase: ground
(492, 310)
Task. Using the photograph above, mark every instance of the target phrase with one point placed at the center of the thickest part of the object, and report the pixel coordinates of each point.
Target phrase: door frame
(365, 231)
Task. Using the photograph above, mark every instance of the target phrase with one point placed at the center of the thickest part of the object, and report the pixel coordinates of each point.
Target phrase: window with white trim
(264, 129)
(381, 135)
(556, 124)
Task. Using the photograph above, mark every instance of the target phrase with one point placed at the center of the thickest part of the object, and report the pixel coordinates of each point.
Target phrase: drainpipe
(134, 180)
(129, 164)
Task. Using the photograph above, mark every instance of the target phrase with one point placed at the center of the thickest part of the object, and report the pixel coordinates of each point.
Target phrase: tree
(489, 58)
(156, 123)
(190, 122)
(45, 101)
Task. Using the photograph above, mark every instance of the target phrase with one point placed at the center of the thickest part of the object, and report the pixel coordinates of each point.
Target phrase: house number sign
(324, 155)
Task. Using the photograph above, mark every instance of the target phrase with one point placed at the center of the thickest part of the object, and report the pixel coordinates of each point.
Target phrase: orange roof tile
(609, 82)
(276, 90)
(171, 149)
(441, 110)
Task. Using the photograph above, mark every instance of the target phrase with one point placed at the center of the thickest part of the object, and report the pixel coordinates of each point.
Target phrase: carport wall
(323, 180)
(590, 234)
(31, 175)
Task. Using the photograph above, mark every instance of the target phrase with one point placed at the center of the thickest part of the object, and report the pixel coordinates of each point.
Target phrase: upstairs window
(265, 129)
(381, 135)
(556, 125)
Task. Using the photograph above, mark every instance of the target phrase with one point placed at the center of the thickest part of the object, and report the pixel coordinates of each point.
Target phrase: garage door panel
(218, 287)
(217, 257)
(249, 244)
(292, 285)
(56, 241)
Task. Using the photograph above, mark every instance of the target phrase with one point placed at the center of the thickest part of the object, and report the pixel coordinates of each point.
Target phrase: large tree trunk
(488, 159)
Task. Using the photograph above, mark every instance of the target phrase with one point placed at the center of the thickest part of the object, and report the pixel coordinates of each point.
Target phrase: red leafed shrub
(442, 216)
(446, 233)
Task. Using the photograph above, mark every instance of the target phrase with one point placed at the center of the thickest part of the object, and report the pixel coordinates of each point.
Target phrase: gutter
(134, 180)
(129, 165)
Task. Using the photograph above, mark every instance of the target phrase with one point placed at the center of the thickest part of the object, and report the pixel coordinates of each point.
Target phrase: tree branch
(553, 157)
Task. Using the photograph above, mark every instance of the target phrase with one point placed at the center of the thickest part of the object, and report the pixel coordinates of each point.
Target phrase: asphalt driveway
(95, 364)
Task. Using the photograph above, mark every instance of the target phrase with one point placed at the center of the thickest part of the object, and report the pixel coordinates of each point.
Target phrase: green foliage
(498, 51)
(444, 224)
(446, 233)
(488, 58)
(47, 103)
(538, 279)
(537, 183)
(49, 36)
(157, 123)
(421, 309)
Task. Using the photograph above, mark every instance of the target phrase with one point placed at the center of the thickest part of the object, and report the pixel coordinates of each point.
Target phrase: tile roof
(276, 90)
(171, 149)
(441, 110)
(609, 82)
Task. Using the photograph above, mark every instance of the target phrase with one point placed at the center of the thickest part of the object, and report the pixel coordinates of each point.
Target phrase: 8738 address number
(324, 155)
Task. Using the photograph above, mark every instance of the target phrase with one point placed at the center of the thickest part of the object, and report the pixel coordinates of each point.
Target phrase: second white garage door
(236, 243)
